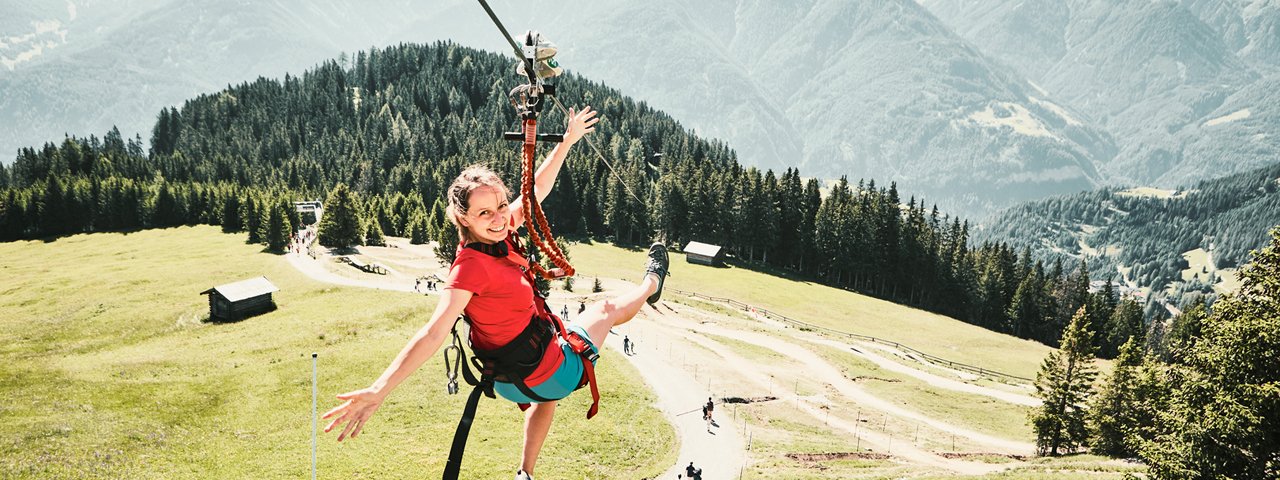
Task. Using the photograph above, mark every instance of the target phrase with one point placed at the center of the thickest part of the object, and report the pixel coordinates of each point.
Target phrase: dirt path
(869, 351)
(720, 453)
(819, 369)
(318, 271)
(865, 350)
(744, 369)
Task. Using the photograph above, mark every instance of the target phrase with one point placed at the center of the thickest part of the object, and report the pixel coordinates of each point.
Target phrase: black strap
(454, 465)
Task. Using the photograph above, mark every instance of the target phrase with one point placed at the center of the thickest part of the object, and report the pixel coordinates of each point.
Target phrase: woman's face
(488, 216)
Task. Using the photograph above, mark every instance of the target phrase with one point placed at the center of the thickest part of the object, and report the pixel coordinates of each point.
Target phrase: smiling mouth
(499, 229)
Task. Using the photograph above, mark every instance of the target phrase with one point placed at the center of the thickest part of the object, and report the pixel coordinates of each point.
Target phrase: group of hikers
(691, 472)
(628, 345)
(431, 282)
(298, 241)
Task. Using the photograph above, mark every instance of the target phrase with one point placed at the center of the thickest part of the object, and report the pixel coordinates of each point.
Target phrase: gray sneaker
(658, 265)
(520, 475)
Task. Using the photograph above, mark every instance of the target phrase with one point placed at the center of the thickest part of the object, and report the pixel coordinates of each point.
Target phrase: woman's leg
(537, 424)
(602, 316)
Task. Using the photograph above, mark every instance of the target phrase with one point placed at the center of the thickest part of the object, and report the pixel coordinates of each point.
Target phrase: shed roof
(699, 248)
(243, 289)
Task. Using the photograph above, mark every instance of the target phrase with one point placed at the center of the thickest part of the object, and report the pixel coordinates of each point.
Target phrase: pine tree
(1112, 420)
(373, 234)
(13, 220)
(265, 210)
(447, 243)
(278, 227)
(54, 217)
(1222, 421)
(253, 219)
(1126, 323)
(1064, 385)
(231, 215)
(419, 231)
(1185, 330)
(340, 227)
(1025, 309)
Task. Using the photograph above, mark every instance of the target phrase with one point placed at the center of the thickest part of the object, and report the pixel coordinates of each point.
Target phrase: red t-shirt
(501, 303)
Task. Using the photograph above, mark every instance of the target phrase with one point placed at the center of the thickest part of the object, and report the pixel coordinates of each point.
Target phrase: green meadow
(109, 369)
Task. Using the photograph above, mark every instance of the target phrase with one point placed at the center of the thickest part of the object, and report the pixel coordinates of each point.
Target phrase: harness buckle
(581, 347)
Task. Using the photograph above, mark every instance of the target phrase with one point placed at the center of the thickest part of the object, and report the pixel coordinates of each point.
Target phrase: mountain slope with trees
(401, 122)
(1140, 238)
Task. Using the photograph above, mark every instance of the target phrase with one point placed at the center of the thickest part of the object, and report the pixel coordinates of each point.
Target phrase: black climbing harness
(511, 363)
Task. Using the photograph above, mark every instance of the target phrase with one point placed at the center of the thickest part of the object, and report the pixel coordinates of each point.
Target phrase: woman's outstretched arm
(359, 405)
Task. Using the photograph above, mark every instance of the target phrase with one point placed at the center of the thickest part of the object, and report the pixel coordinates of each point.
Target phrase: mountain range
(972, 105)
(1185, 87)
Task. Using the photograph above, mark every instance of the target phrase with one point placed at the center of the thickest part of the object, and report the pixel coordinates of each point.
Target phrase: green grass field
(830, 307)
(108, 370)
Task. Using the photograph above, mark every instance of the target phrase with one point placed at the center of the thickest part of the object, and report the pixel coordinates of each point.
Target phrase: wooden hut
(704, 254)
(240, 300)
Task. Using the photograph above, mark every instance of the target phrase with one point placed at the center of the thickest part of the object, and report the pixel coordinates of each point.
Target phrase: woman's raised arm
(580, 124)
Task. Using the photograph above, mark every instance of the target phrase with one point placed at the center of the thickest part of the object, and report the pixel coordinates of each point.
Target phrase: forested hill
(386, 130)
(1141, 234)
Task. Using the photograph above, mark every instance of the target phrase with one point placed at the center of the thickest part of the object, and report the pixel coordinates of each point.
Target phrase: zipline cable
(601, 155)
(529, 68)
(506, 35)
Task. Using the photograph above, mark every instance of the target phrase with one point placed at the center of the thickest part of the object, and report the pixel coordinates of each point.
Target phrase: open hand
(580, 124)
(354, 411)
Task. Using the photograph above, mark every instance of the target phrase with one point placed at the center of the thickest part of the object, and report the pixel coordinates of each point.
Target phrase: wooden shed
(704, 254)
(240, 300)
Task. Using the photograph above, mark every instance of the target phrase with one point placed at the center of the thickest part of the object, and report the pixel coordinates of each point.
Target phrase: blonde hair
(472, 178)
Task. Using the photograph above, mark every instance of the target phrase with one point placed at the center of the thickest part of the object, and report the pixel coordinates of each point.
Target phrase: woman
(487, 282)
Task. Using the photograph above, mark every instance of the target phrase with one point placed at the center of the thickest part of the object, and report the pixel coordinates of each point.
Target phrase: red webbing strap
(595, 393)
(534, 220)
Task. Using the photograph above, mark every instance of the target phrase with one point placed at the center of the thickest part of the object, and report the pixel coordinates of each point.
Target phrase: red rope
(534, 220)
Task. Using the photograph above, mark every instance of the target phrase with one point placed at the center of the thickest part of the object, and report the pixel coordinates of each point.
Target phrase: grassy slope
(108, 371)
(831, 308)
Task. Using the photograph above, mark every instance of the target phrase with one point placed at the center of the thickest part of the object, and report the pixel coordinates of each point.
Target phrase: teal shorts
(563, 381)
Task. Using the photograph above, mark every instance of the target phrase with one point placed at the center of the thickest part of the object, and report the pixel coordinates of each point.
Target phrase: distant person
(626, 345)
(708, 412)
(692, 472)
(564, 312)
(581, 307)
(490, 281)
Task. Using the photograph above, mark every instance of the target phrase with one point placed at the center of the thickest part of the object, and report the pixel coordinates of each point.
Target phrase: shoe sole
(657, 294)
